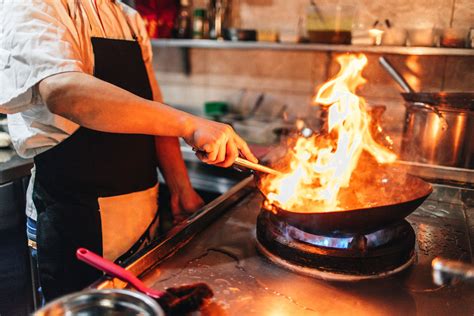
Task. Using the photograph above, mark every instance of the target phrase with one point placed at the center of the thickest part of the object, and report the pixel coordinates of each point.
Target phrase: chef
(78, 85)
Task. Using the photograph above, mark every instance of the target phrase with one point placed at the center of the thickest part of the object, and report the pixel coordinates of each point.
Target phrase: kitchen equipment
(267, 36)
(225, 253)
(394, 36)
(102, 302)
(458, 100)
(176, 300)
(220, 16)
(336, 256)
(329, 23)
(360, 219)
(421, 36)
(448, 272)
(234, 34)
(454, 37)
(439, 127)
(255, 166)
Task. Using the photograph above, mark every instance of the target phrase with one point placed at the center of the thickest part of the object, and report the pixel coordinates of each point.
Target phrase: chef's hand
(184, 202)
(216, 143)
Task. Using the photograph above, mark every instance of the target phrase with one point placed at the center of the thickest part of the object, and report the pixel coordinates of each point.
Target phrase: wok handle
(395, 75)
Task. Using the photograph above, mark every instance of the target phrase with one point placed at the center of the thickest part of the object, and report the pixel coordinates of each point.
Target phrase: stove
(218, 246)
(339, 257)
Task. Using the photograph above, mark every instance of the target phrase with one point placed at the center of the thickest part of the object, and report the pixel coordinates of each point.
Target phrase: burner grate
(378, 254)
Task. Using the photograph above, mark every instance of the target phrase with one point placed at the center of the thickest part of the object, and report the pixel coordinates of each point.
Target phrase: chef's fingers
(222, 149)
(244, 149)
(202, 155)
(211, 151)
(232, 152)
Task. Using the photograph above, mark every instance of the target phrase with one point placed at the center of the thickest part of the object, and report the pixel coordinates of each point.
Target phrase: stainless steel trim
(437, 172)
(400, 50)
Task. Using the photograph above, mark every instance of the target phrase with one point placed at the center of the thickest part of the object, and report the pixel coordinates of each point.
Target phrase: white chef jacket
(41, 38)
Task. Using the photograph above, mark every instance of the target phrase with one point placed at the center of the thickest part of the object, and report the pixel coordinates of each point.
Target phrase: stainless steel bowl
(104, 303)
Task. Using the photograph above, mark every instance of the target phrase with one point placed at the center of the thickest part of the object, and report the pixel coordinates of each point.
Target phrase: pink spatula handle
(114, 270)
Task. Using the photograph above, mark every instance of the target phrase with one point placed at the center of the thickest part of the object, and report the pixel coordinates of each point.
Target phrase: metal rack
(399, 50)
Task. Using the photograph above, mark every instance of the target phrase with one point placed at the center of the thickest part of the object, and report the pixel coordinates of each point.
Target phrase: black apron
(71, 176)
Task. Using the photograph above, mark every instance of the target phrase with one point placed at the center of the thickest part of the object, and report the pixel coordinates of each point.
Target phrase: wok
(357, 220)
(454, 100)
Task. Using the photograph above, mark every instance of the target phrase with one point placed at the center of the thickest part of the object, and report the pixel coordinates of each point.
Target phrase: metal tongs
(242, 162)
(255, 166)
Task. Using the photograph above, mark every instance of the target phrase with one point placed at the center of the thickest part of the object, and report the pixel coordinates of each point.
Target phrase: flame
(321, 165)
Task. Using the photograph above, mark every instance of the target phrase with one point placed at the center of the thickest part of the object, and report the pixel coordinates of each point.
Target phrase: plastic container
(394, 36)
(216, 108)
(421, 37)
(454, 37)
(330, 23)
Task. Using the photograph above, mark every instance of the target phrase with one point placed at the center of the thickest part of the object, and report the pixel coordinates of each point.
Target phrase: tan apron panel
(124, 220)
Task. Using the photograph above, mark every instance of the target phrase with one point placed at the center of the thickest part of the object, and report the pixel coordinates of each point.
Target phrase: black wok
(359, 220)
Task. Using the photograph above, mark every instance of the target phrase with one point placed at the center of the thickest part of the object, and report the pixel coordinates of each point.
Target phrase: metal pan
(360, 220)
(454, 100)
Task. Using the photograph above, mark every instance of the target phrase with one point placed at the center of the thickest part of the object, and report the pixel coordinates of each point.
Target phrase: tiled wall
(290, 77)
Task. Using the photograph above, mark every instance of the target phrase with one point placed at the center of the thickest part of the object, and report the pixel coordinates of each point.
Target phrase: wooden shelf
(399, 50)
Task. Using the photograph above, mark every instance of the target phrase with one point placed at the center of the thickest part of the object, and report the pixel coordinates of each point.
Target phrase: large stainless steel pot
(102, 302)
(438, 135)
(439, 127)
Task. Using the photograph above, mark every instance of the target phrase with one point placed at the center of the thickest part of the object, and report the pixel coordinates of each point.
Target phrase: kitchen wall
(290, 77)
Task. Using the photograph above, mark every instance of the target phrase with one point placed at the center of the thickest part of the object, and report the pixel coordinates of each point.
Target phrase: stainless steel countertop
(224, 256)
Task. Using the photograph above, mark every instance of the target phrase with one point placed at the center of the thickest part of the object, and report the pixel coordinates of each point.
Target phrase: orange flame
(323, 164)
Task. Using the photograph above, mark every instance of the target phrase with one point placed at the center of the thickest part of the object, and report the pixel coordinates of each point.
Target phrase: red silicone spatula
(176, 300)
(115, 270)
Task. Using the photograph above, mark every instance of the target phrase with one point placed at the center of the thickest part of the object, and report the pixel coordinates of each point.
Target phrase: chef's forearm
(96, 104)
(171, 164)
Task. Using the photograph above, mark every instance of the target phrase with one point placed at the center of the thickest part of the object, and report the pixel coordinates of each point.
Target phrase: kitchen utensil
(175, 300)
(448, 272)
(255, 166)
(115, 270)
(359, 220)
(102, 302)
(439, 127)
(458, 100)
(233, 34)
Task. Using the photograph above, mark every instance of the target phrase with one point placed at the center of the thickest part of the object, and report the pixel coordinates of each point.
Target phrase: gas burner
(338, 257)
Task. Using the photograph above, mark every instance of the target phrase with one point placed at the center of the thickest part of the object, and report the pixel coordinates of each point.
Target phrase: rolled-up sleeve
(35, 43)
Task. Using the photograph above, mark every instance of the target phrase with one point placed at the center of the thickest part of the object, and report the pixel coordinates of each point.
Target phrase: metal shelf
(399, 50)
